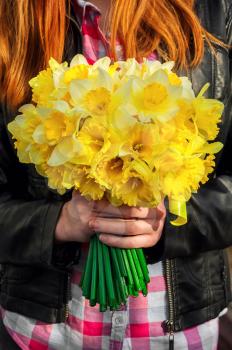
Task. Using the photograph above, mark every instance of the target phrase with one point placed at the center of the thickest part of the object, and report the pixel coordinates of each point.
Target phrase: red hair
(32, 31)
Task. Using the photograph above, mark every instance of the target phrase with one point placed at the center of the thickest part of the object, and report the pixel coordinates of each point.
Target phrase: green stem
(132, 292)
(93, 293)
(143, 264)
(108, 275)
(133, 270)
(115, 262)
(122, 293)
(118, 279)
(128, 270)
(145, 291)
(101, 286)
(121, 262)
(118, 297)
(138, 268)
(137, 263)
(86, 281)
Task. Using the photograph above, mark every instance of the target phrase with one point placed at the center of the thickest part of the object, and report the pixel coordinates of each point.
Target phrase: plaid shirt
(138, 324)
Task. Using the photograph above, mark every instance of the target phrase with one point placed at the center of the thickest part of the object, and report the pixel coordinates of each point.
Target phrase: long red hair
(32, 31)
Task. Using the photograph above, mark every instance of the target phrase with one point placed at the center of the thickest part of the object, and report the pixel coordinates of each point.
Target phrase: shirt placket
(119, 323)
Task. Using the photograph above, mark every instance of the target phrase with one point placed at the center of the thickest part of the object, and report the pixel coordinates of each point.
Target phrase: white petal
(27, 108)
(78, 59)
(39, 135)
(44, 111)
(167, 115)
(103, 63)
(64, 151)
(103, 79)
(57, 77)
(160, 76)
(53, 64)
(61, 106)
(78, 88)
(136, 85)
(153, 66)
(121, 119)
(168, 65)
(187, 88)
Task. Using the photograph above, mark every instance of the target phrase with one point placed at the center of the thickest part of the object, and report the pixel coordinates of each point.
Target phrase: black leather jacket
(35, 275)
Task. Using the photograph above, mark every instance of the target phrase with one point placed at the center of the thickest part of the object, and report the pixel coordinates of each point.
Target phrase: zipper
(169, 324)
(67, 297)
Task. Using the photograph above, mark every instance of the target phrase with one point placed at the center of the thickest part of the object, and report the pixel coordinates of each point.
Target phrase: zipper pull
(169, 328)
(171, 341)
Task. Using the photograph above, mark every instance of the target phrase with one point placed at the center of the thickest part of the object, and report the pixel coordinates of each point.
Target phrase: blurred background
(225, 325)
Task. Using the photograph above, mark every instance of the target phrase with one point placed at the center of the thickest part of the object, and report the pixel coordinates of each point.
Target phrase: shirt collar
(84, 5)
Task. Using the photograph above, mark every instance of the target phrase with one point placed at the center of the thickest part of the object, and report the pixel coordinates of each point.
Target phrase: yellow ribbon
(178, 208)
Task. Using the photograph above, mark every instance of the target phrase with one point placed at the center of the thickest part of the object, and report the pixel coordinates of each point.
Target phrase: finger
(124, 227)
(139, 241)
(105, 209)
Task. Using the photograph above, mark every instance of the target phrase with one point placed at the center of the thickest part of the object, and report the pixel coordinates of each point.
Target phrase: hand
(128, 227)
(73, 224)
(125, 227)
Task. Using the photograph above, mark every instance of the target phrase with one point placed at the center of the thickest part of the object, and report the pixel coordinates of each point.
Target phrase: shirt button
(118, 320)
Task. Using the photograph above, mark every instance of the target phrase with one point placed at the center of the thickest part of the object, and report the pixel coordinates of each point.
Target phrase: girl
(44, 235)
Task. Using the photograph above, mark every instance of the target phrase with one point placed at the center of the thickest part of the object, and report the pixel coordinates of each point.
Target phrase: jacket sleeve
(27, 225)
(209, 211)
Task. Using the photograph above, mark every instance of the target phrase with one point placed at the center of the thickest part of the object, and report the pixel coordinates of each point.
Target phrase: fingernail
(102, 238)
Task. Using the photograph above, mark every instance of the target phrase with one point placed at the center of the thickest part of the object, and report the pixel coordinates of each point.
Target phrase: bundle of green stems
(112, 274)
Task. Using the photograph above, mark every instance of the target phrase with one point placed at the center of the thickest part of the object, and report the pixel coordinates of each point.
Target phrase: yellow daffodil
(132, 132)
(39, 153)
(86, 184)
(93, 96)
(129, 68)
(43, 87)
(180, 184)
(60, 88)
(76, 72)
(55, 177)
(94, 136)
(22, 151)
(65, 151)
(155, 98)
(55, 126)
(209, 164)
(135, 189)
(207, 115)
(91, 189)
(116, 202)
(168, 161)
(142, 142)
(23, 126)
(109, 169)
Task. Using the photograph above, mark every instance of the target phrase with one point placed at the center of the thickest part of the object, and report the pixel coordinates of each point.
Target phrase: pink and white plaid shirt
(138, 324)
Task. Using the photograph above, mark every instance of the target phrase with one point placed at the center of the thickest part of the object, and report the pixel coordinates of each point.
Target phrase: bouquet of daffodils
(132, 132)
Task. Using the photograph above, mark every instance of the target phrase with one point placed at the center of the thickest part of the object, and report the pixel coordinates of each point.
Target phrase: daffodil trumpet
(134, 133)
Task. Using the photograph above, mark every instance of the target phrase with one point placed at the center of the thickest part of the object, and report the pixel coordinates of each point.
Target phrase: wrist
(61, 227)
